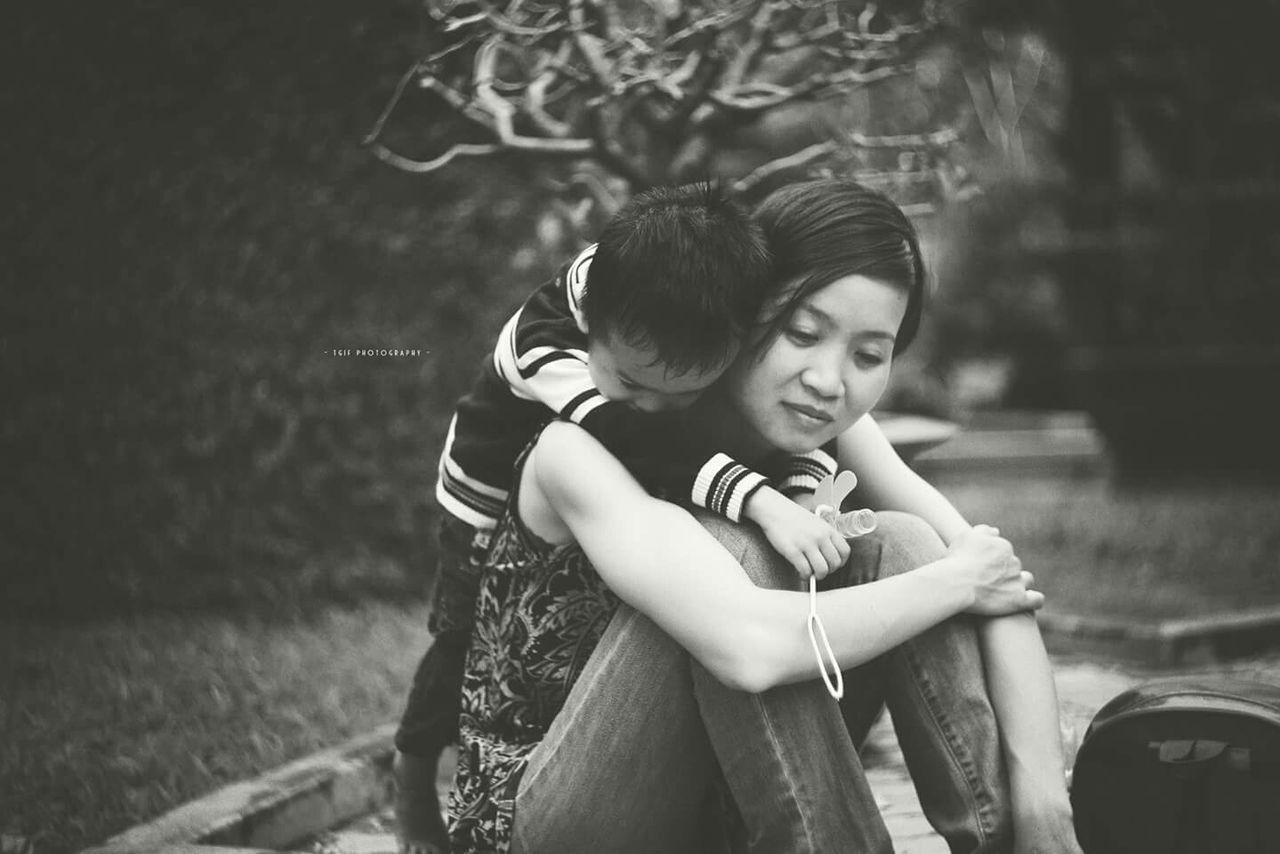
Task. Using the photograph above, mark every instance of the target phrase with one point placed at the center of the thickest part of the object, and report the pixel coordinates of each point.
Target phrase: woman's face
(827, 368)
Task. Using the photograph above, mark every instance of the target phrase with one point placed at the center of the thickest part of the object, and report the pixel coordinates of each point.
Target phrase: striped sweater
(538, 372)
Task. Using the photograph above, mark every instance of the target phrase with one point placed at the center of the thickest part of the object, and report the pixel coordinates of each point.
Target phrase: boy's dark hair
(823, 230)
(682, 270)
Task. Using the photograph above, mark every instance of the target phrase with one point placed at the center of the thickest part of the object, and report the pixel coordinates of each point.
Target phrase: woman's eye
(870, 359)
(802, 336)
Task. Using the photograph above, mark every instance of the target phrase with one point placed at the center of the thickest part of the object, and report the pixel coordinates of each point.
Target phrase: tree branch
(767, 96)
(935, 139)
(407, 164)
(503, 111)
(803, 157)
(396, 94)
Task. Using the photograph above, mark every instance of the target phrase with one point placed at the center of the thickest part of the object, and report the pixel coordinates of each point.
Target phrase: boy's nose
(647, 403)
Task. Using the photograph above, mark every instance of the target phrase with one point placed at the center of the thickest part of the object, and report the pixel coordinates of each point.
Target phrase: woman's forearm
(665, 564)
(660, 560)
(861, 622)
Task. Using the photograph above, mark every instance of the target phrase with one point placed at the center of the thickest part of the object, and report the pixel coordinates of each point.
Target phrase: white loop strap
(835, 685)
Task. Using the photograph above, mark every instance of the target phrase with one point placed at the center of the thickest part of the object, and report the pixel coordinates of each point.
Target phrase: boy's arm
(800, 474)
(1019, 675)
(673, 461)
(786, 514)
(683, 465)
(541, 354)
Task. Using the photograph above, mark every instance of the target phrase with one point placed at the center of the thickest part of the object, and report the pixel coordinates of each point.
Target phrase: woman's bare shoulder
(572, 466)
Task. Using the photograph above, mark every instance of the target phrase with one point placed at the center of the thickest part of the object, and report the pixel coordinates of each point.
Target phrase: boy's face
(631, 374)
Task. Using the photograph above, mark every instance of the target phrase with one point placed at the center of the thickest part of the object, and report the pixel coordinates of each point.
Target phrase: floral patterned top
(540, 612)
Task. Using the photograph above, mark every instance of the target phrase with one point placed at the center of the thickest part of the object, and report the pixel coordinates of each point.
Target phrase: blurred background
(215, 518)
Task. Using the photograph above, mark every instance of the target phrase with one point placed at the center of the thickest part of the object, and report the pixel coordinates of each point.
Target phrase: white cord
(816, 630)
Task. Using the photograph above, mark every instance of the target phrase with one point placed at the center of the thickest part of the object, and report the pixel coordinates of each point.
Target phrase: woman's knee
(752, 550)
(906, 542)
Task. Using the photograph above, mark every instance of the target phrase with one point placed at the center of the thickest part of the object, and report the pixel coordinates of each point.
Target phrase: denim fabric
(430, 718)
(631, 762)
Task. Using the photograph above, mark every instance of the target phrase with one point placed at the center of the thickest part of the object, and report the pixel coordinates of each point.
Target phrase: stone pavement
(1084, 685)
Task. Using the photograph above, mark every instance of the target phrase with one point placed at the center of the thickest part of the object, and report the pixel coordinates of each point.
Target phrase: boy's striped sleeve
(541, 355)
(723, 486)
(802, 473)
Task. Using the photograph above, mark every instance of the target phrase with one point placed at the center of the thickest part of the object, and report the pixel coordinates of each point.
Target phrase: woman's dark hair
(823, 230)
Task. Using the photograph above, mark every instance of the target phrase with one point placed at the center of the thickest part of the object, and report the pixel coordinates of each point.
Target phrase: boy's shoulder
(560, 297)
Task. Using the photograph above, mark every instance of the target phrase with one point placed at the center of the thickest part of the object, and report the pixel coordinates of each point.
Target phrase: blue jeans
(631, 760)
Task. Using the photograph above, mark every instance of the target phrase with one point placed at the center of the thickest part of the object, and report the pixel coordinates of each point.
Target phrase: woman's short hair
(823, 230)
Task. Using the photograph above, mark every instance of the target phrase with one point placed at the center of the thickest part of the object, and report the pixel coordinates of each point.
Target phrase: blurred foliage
(994, 333)
(197, 231)
(998, 309)
(1168, 248)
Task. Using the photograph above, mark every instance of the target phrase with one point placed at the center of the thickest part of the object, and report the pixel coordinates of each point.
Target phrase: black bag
(1181, 766)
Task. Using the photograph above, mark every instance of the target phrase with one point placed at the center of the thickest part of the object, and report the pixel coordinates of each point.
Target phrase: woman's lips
(810, 412)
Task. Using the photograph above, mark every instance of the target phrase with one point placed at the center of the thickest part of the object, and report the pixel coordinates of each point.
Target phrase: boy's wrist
(805, 499)
(763, 504)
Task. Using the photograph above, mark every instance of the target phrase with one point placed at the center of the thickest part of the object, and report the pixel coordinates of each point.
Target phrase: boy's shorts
(430, 719)
(460, 552)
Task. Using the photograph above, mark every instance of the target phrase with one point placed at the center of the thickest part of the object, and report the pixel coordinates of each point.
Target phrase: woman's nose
(821, 378)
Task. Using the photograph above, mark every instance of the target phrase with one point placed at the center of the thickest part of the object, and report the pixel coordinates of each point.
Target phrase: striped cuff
(475, 503)
(803, 472)
(723, 486)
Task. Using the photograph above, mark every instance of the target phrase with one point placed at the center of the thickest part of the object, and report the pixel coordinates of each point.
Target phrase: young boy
(633, 329)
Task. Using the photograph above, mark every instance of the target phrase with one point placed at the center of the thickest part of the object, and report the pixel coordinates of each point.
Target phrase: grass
(1153, 553)
(119, 720)
(109, 724)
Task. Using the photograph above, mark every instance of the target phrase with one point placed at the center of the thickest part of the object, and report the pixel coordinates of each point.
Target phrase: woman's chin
(802, 442)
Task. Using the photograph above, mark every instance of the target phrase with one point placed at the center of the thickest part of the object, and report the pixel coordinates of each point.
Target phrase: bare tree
(651, 91)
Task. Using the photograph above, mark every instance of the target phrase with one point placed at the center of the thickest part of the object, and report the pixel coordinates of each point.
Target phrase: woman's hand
(1000, 586)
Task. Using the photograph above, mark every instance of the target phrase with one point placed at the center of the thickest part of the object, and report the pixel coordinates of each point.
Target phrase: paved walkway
(1083, 687)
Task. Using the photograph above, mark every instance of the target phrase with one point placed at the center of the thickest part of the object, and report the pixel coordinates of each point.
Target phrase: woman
(590, 725)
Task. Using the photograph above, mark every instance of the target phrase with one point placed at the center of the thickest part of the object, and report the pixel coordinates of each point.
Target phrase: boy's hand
(807, 542)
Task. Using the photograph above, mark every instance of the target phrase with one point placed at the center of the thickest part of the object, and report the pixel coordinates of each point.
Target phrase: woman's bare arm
(660, 560)
(1019, 676)
(885, 482)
